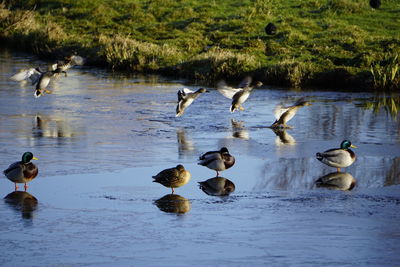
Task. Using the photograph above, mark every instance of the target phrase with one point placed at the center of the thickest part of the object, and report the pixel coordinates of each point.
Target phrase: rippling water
(101, 136)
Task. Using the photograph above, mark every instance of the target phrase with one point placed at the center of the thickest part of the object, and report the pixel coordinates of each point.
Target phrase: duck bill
(353, 146)
(35, 158)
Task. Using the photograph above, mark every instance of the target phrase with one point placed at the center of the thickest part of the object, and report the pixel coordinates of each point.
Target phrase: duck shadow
(217, 186)
(173, 203)
(336, 181)
(23, 202)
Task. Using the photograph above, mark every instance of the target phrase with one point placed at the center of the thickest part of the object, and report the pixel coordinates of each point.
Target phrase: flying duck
(238, 95)
(285, 114)
(186, 98)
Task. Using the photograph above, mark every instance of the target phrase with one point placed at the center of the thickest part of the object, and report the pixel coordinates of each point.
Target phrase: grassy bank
(335, 43)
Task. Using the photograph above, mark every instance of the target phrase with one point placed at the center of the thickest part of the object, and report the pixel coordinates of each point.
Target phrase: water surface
(101, 136)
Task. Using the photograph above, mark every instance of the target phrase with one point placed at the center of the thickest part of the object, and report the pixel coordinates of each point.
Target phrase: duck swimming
(338, 157)
(186, 98)
(238, 95)
(285, 114)
(173, 177)
(22, 171)
(217, 160)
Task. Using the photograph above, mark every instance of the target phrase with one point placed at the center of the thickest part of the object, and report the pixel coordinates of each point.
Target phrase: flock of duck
(25, 171)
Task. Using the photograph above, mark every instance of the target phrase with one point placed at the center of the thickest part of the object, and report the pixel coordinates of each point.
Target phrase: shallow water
(101, 136)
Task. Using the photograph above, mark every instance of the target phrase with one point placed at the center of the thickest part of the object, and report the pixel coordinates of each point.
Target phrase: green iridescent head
(28, 156)
(346, 144)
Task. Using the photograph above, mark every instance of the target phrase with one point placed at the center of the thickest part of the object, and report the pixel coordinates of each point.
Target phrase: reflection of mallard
(22, 171)
(285, 114)
(238, 95)
(239, 130)
(23, 202)
(217, 160)
(186, 98)
(185, 144)
(173, 177)
(50, 127)
(217, 186)
(337, 180)
(338, 157)
(282, 137)
(173, 203)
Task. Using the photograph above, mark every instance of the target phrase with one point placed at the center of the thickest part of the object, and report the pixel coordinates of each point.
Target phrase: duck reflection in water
(238, 130)
(50, 127)
(337, 181)
(173, 203)
(283, 138)
(22, 202)
(217, 186)
(185, 144)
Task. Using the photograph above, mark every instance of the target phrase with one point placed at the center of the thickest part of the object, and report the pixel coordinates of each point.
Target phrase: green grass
(333, 43)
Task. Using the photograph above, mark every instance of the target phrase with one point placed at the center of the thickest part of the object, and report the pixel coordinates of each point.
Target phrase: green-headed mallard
(186, 98)
(337, 180)
(238, 95)
(217, 160)
(22, 171)
(285, 114)
(173, 177)
(217, 186)
(338, 157)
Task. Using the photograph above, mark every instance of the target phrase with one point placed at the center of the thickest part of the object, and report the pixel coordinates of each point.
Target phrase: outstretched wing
(181, 95)
(279, 110)
(226, 90)
(77, 60)
(245, 82)
(25, 74)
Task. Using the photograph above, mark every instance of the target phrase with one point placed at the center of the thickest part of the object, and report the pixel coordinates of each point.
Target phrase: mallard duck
(22, 171)
(44, 81)
(217, 160)
(173, 203)
(338, 157)
(69, 62)
(337, 180)
(173, 177)
(238, 95)
(217, 186)
(285, 114)
(186, 98)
